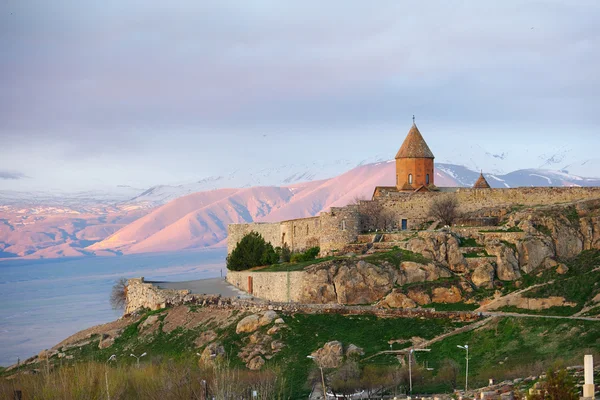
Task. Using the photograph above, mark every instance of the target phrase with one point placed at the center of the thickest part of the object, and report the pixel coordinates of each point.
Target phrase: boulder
(248, 324)
(397, 300)
(562, 269)
(279, 321)
(533, 251)
(354, 351)
(268, 317)
(442, 247)
(507, 265)
(318, 287)
(255, 363)
(276, 345)
(330, 355)
(419, 297)
(106, 342)
(446, 295)
(212, 352)
(483, 276)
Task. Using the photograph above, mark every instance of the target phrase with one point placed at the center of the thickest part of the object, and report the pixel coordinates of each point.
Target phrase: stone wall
(272, 286)
(141, 294)
(340, 226)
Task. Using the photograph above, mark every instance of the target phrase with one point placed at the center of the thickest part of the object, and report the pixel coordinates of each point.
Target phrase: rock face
(507, 265)
(419, 297)
(412, 272)
(483, 276)
(397, 300)
(446, 295)
(331, 355)
(354, 351)
(364, 283)
(441, 247)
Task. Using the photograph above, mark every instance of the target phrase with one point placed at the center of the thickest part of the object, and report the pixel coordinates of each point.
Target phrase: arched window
(427, 179)
(410, 179)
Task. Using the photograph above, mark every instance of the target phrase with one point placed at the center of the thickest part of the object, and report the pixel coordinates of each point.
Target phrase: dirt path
(436, 339)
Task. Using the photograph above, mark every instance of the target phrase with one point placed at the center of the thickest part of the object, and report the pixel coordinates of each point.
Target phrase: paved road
(204, 286)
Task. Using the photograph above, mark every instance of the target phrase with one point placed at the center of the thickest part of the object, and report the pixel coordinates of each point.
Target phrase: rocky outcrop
(211, 353)
(419, 297)
(397, 300)
(507, 265)
(330, 355)
(412, 272)
(446, 295)
(362, 283)
(252, 322)
(483, 275)
(441, 247)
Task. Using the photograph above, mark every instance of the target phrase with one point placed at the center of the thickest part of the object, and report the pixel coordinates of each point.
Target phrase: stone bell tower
(414, 162)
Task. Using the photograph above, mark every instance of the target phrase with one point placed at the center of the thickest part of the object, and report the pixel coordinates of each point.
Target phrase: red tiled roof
(414, 145)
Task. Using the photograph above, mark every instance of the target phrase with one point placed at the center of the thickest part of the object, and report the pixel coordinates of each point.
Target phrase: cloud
(12, 175)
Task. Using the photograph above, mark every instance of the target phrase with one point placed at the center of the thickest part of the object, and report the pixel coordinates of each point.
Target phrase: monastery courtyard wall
(335, 229)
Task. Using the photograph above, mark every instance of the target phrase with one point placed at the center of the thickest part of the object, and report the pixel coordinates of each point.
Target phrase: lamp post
(466, 348)
(138, 358)
(112, 358)
(322, 378)
(410, 355)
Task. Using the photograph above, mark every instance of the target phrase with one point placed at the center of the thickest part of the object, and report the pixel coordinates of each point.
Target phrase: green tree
(251, 251)
(558, 385)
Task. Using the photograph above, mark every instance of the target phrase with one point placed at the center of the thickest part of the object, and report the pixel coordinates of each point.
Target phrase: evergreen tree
(250, 252)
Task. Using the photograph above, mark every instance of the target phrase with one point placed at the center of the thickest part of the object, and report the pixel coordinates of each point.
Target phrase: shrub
(251, 251)
(284, 253)
(308, 255)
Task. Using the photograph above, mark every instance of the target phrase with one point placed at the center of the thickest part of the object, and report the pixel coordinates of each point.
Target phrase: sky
(99, 94)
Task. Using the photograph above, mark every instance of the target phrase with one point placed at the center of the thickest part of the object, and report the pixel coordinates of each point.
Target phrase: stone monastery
(404, 206)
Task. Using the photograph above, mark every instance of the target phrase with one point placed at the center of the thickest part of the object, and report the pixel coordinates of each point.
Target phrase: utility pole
(322, 379)
(112, 358)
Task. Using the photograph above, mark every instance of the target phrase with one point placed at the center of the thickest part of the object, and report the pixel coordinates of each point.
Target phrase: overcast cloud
(142, 93)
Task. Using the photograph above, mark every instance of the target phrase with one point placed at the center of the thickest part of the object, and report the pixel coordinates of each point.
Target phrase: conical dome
(481, 183)
(414, 145)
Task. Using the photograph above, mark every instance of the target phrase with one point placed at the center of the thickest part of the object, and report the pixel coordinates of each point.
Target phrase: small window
(410, 179)
(307, 229)
(344, 225)
(397, 180)
(427, 179)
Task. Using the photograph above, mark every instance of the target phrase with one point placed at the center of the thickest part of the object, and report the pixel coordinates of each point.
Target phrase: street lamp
(466, 348)
(111, 358)
(322, 378)
(138, 358)
(409, 365)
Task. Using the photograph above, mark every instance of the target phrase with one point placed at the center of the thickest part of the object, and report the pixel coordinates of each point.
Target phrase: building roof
(414, 145)
(481, 183)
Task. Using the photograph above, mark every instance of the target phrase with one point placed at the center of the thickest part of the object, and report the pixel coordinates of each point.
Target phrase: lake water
(45, 301)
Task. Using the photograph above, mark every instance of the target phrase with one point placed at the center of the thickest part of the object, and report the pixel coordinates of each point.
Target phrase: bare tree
(449, 372)
(373, 215)
(445, 209)
(118, 296)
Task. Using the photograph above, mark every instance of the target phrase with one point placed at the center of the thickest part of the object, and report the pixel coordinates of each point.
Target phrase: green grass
(517, 343)
(452, 306)
(468, 242)
(511, 229)
(396, 257)
(572, 215)
(299, 266)
(578, 285)
(310, 332)
(543, 229)
(476, 254)
(563, 311)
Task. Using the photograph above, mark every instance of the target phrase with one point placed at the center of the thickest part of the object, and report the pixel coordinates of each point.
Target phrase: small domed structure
(481, 183)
